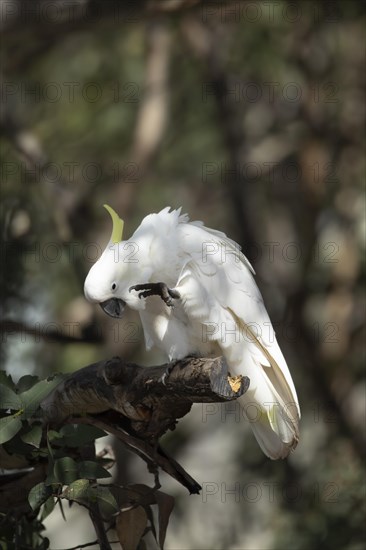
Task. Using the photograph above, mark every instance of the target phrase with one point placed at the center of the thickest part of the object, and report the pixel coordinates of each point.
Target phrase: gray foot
(157, 289)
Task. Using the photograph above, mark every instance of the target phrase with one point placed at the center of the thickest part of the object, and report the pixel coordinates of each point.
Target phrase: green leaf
(78, 490)
(92, 470)
(9, 399)
(66, 470)
(9, 427)
(34, 436)
(106, 501)
(75, 435)
(38, 495)
(52, 435)
(40, 453)
(51, 478)
(48, 508)
(6, 380)
(26, 382)
(33, 397)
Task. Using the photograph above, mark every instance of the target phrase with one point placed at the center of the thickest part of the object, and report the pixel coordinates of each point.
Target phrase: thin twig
(99, 528)
(85, 545)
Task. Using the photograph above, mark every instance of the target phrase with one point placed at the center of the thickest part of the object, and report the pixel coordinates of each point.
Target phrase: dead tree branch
(132, 403)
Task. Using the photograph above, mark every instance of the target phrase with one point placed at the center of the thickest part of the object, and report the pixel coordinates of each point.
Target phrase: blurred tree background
(249, 115)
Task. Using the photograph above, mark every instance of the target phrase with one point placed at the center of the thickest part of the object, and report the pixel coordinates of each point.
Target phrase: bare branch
(139, 394)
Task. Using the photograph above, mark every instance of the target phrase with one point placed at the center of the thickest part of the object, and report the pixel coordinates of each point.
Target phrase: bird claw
(164, 378)
(157, 289)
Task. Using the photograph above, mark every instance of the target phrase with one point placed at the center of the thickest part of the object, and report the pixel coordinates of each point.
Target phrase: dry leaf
(165, 504)
(130, 527)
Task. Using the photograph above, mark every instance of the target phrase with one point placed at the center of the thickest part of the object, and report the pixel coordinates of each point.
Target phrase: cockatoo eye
(114, 286)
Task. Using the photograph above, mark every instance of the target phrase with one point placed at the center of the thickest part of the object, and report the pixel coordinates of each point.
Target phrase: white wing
(218, 290)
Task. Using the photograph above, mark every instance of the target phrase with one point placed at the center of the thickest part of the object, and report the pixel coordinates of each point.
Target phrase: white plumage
(220, 311)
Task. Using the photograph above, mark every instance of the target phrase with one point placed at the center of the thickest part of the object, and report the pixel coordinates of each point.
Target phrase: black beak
(113, 307)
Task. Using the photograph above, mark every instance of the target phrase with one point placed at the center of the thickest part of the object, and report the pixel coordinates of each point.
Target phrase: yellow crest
(118, 224)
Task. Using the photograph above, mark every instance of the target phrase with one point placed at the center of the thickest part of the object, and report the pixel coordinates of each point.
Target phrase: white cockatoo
(217, 310)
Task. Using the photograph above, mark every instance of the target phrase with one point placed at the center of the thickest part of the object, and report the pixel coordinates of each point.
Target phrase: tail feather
(272, 393)
(274, 443)
(274, 428)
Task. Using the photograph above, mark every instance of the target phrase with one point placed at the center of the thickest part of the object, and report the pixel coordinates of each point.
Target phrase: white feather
(220, 311)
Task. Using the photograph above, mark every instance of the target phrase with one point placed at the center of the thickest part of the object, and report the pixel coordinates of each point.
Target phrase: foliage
(27, 441)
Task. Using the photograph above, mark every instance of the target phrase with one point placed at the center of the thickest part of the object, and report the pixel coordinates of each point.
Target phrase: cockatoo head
(118, 268)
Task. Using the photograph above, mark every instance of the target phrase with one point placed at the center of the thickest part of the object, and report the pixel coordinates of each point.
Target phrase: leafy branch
(48, 429)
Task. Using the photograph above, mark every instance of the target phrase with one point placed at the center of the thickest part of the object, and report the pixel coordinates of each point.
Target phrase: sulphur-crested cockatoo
(218, 310)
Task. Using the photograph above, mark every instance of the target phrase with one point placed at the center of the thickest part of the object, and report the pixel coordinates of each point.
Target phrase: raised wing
(218, 289)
